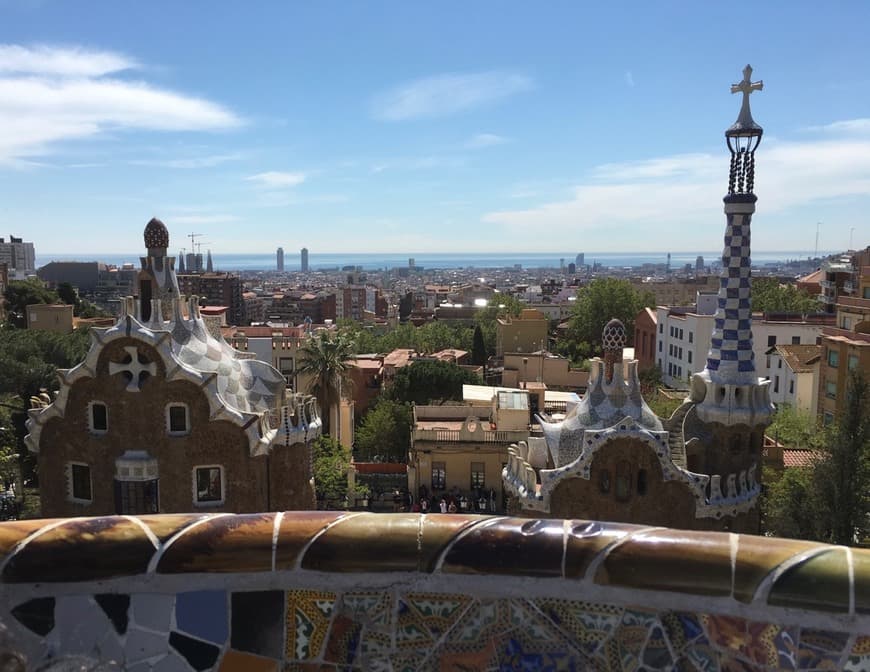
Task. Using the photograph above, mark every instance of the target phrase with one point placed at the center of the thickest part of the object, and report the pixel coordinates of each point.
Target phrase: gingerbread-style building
(163, 417)
(613, 459)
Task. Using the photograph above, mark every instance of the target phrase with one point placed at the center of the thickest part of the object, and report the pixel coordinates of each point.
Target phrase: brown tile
(401, 542)
(238, 661)
(861, 565)
(240, 543)
(757, 557)
(296, 531)
(673, 560)
(586, 539)
(14, 531)
(517, 546)
(820, 583)
(167, 525)
(82, 550)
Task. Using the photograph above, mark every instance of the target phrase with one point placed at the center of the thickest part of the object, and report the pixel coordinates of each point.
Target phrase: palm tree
(325, 358)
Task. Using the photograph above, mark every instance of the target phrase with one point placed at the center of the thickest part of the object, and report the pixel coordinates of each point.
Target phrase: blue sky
(404, 127)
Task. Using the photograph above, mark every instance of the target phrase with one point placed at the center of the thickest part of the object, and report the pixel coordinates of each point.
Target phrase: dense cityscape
(397, 371)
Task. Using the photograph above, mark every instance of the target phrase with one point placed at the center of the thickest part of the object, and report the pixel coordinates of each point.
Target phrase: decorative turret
(728, 390)
(157, 280)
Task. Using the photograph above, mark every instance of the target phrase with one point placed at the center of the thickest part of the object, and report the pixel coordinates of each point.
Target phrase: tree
(385, 432)
(844, 475)
(769, 296)
(331, 464)
(22, 293)
(478, 348)
(424, 381)
(597, 303)
(325, 359)
(828, 501)
(790, 506)
(796, 429)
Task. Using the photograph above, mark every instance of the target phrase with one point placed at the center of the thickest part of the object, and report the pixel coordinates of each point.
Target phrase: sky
(428, 127)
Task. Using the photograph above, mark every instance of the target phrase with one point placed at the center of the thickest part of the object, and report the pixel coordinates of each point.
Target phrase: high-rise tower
(304, 259)
(728, 390)
(280, 258)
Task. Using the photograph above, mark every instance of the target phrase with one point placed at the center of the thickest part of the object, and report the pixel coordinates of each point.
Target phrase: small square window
(831, 389)
(208, 483)
(795, 340)
(833, 358)
(771, 340)
(177, 419)
(80, 482)
(99, 417)
(852, 362)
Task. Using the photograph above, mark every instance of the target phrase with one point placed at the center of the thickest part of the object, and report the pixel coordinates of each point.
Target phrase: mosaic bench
(359, 591)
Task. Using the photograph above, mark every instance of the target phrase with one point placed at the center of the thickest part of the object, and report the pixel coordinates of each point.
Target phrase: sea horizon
(446, 260)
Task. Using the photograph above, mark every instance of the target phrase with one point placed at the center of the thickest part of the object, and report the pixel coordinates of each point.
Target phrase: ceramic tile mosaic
(449, 611)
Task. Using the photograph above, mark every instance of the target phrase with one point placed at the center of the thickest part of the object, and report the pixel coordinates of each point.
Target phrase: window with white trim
(177, 419)
(79, 482)
(98, 417)
(209, 487)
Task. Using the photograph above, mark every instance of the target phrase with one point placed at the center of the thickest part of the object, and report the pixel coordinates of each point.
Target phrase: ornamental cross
(746, 87)
(134, 367)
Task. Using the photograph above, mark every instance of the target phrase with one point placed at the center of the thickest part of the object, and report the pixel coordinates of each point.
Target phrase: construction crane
(193, 237)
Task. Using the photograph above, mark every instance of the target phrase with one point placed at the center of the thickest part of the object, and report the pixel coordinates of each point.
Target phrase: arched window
(641, 482)
(604, 481)
(623, 481)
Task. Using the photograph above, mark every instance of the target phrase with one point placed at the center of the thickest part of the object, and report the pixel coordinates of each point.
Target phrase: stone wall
(344, 591)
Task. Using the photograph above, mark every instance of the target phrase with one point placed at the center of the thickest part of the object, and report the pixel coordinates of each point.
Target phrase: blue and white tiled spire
(728, 389)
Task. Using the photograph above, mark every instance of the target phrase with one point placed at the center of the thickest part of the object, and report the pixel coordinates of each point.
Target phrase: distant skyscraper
(668, 268)
(412, 263)
(280, 258)
(194, 263)
(304, 254)
(209, 266)
(181, 268)
(562, 265)
(699, 263)
(580, 260)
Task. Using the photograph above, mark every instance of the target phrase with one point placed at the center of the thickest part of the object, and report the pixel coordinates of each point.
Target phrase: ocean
(445, 260)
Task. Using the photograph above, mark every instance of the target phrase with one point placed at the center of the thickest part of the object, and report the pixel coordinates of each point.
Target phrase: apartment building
(794, 374)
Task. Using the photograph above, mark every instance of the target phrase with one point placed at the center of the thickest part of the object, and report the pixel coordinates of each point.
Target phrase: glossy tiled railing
(358, 591)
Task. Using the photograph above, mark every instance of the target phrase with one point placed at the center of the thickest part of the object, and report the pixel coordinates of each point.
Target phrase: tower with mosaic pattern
(728, 390)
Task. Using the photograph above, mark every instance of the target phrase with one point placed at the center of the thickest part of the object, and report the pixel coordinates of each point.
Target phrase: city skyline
(400, 128)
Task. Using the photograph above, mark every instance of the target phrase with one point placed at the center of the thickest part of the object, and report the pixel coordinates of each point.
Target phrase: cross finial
(746, 87)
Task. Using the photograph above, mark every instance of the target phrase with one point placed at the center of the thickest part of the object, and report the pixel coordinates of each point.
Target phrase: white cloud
(629, 78)
(443, 95)
(61, 61)
(190, 162)
(850, 126)
(675, 195)
(482, 140)
(277, 180)
(49, 95)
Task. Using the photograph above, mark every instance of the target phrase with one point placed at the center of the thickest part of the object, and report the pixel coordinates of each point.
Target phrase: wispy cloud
(54, 94)
(203, 219)
(277, 180)
(629, 78)
(61, 61)
(481, 140)
(447, 94)
(850, 126)
(674, 194)
(189, 162)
